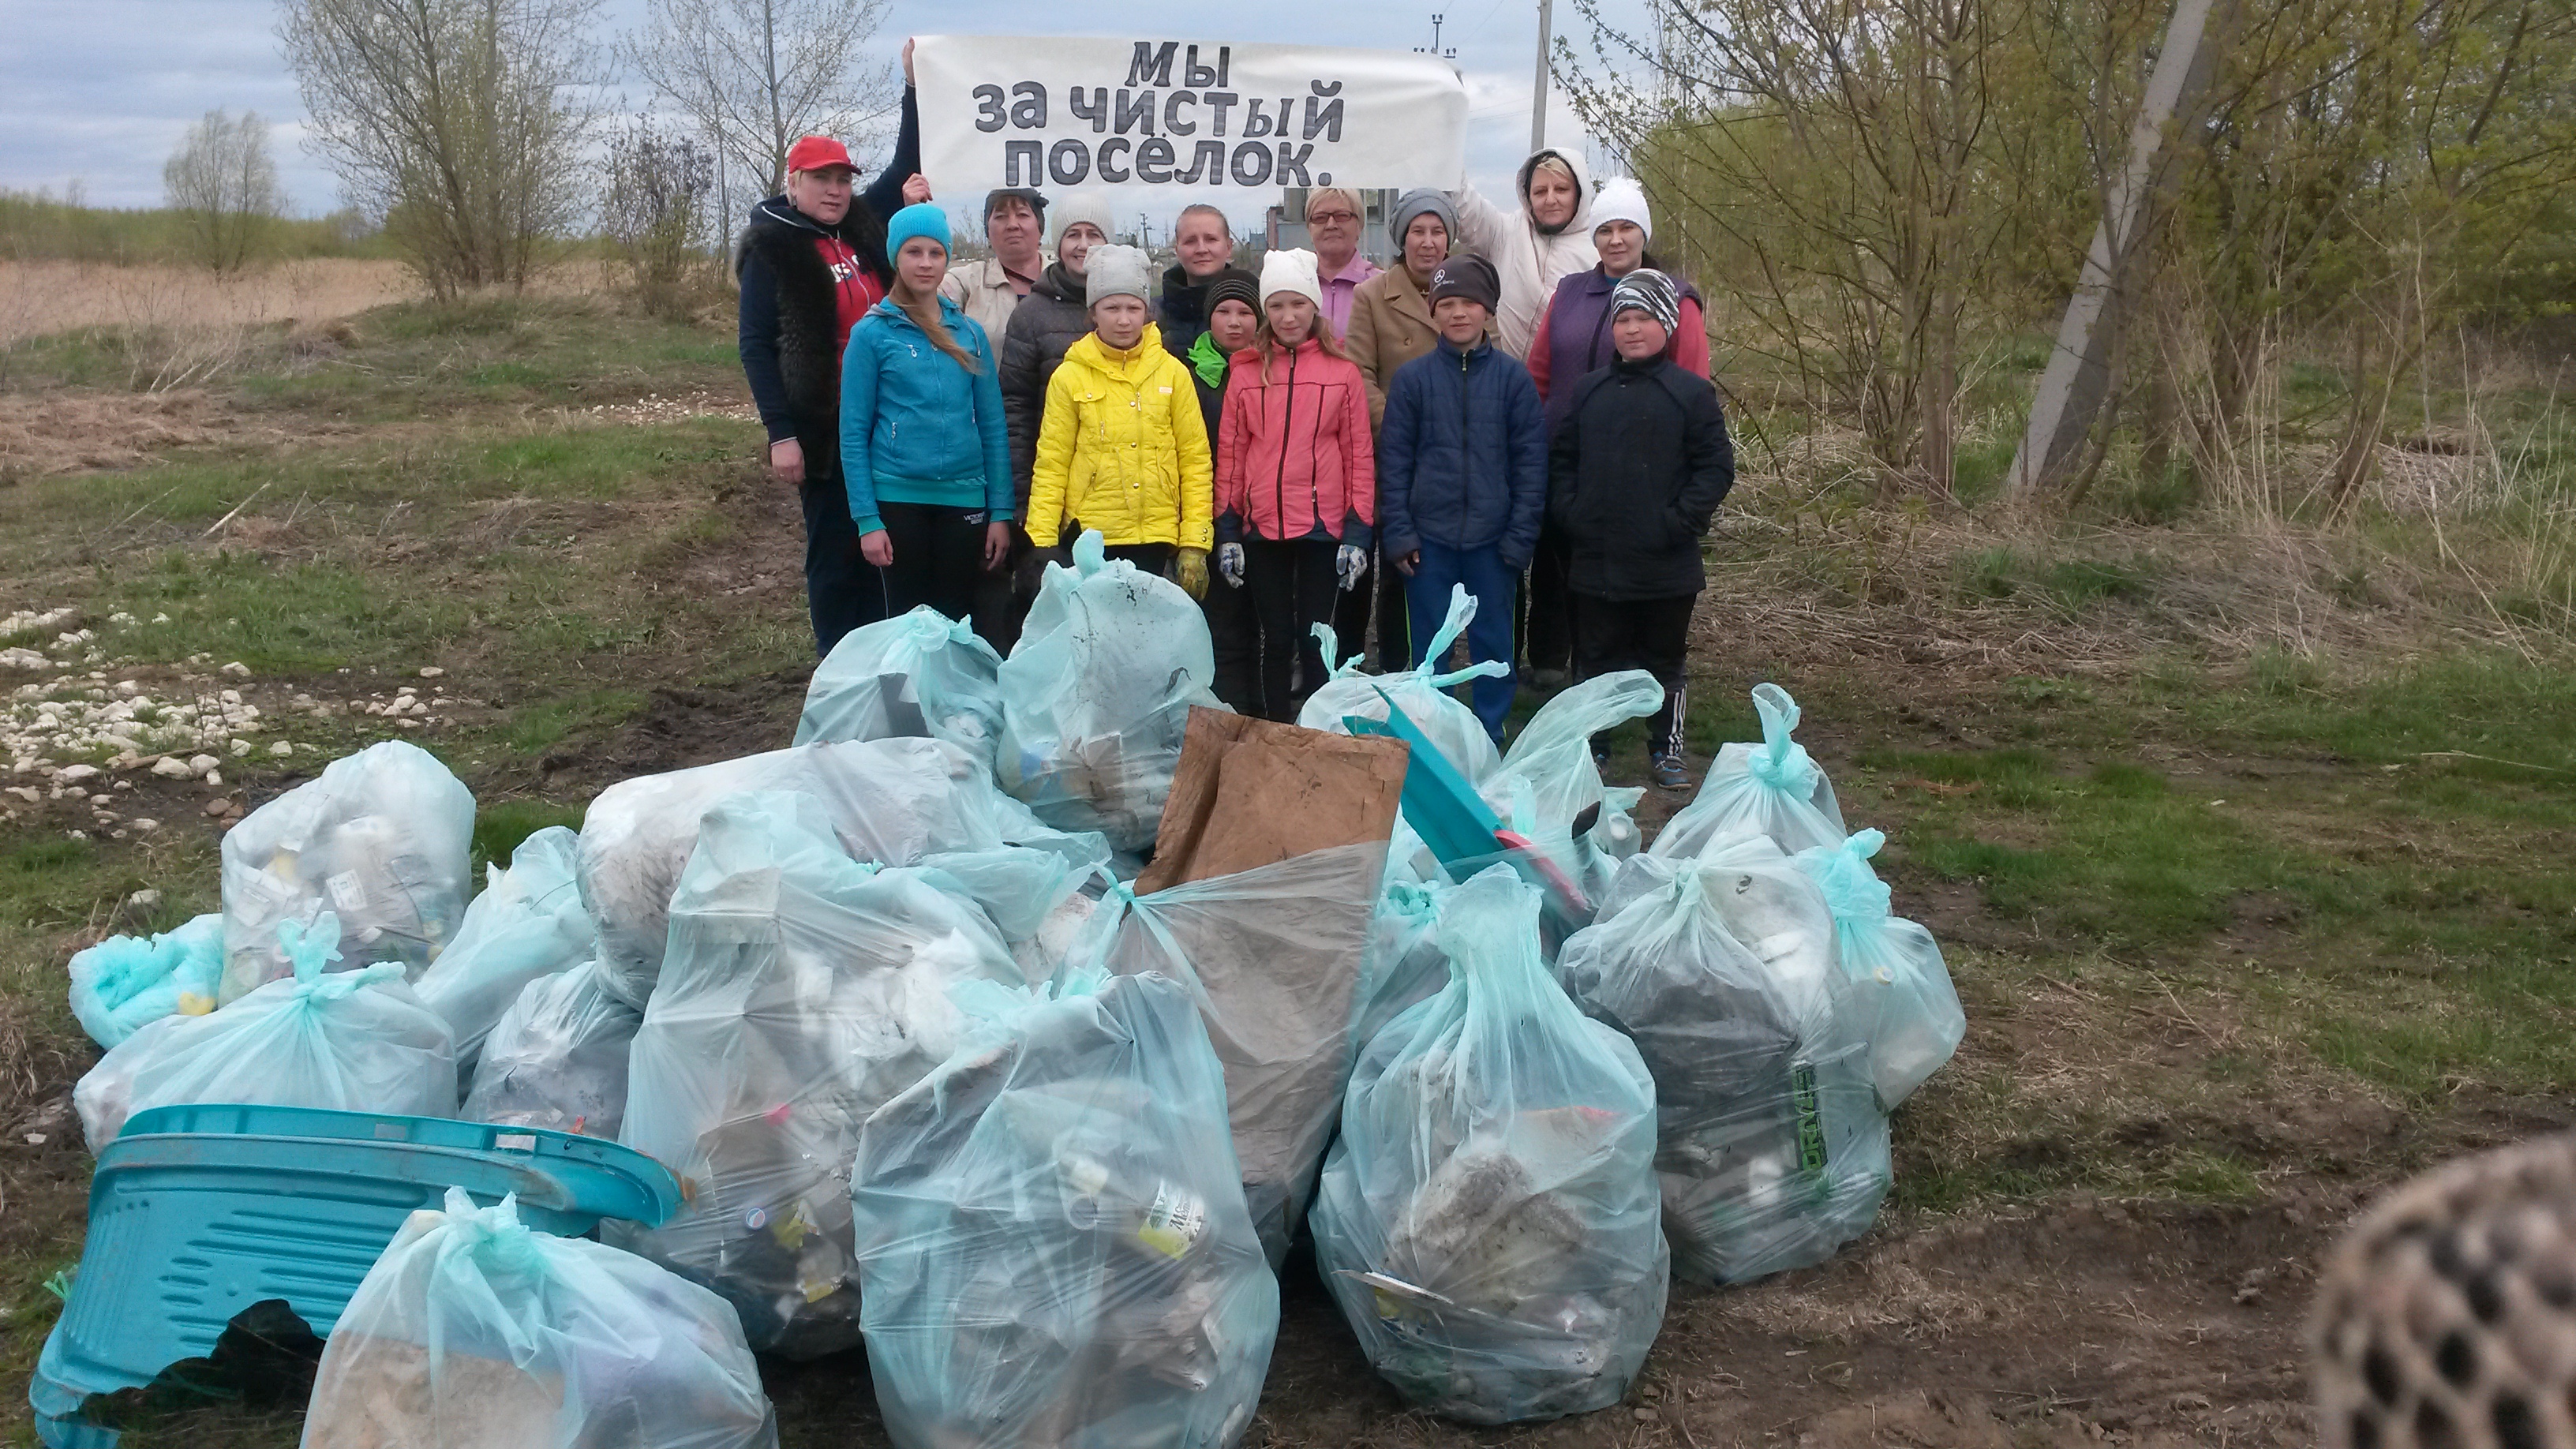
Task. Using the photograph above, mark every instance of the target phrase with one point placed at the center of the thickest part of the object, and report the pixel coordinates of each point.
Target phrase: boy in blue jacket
(1462, 476)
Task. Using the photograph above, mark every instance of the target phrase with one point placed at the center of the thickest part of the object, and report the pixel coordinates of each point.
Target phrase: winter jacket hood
(1529, 261)
(1294, 458)
(1635, 472)
(916, 426)
(1123, 448)
(1462, 455)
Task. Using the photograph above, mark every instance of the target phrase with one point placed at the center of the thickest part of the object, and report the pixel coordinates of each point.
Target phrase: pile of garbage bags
(1054, 1248)
(941, 1075)
(473, 1331)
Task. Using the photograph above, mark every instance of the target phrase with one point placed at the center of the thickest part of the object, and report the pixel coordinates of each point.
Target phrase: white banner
(1065, 113)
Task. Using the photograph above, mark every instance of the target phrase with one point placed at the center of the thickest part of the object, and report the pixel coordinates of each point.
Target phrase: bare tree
(655, 212)
(224, 187)
(753, 75)
(460, 122)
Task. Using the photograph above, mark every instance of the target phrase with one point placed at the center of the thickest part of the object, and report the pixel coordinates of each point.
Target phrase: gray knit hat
(1421, 200)
(1088, 206)
(1651, 292)
(1116, 271)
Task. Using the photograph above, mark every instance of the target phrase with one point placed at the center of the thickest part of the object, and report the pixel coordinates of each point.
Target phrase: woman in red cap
(811, 264)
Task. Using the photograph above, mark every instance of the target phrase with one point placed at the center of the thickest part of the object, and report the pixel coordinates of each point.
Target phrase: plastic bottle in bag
(126, 983)
(802, 990)
(472, 1332)
(351, 1041)
(922, 674)
(1773, 788)
(1488, 1220)
(1903, 1002)
(529, 922)
(1722, 970)
(558, 1058)
(1053, 1247)
(1097, 693)
(381, 840)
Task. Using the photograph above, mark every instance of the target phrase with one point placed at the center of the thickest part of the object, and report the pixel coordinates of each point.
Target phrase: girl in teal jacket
(924, 448)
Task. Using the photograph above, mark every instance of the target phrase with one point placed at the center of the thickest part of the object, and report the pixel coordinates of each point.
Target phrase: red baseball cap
(813, 153)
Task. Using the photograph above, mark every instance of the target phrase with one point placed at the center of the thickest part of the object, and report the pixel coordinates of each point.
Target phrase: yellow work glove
(1194, 572)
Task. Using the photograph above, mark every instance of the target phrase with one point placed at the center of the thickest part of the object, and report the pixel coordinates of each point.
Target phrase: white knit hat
(1293, 271)
(1088, 206)
(1116, 271)
(1622, 199)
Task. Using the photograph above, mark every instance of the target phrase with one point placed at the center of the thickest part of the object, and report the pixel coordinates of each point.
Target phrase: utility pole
(1434, 47)
(2075, 385)
(1538, 88)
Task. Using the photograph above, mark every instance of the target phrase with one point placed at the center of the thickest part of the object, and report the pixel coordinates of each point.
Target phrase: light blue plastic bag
(1773, 788)
(1096, 694)
(1053, 1248)
(381, 841)
(126, 983)
(892, 801)
(1488, 1220)
(801, 991)
(558, 1059)
(1722, 969)
(471, 1330)
(529, 922)
(1548, 780)
(922, 674)
(351, 1041)
(1903, 1002)
(1423, 694)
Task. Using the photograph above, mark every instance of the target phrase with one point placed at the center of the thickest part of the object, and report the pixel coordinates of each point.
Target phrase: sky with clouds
(96, 93)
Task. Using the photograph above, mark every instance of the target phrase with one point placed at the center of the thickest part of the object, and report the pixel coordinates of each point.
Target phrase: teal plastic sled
(198, 1212)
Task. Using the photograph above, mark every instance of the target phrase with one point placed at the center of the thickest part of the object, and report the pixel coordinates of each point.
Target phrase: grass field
(2245, 837)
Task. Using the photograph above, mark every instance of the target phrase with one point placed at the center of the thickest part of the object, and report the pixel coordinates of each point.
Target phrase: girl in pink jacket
(1296, 478)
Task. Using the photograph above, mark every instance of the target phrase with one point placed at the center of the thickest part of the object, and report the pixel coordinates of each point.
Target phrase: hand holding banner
(1062, 113)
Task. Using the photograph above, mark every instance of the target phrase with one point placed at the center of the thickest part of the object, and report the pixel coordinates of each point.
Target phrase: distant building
(1287, 223)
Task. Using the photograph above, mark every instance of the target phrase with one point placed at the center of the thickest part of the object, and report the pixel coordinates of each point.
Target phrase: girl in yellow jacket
(1123, 447)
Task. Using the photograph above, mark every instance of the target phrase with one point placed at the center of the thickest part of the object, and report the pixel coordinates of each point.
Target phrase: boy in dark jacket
(1637, 468)
(1233, 315)
(1462, 476)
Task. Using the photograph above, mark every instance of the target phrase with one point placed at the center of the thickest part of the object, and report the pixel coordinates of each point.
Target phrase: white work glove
(1229, 563)
(1352, 563)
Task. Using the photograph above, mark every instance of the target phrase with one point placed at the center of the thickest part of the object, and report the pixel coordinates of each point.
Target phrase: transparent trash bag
(803, 990)
(473, 1332)
(1019, 887)
(1903, 1002)
(1488, 1220)
(892, 801)
(920, 675)
(351, 1041)
(1423, 694)
(1053, 1248)
(1097, 693)
(126, 983)
(381, 840)
(1773, 1152)
(1274, 957)
(1404, 963)
(1548, 783)
(558, 1058)
(529, 922)
(1772, 789)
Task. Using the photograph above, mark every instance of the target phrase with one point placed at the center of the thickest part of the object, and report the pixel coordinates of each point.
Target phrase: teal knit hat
(920, 219)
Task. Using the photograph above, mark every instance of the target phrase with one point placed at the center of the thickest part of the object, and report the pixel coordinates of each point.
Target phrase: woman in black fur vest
(812, 262)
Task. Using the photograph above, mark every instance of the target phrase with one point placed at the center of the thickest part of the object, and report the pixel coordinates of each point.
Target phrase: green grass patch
(539, 727)
(500, 825)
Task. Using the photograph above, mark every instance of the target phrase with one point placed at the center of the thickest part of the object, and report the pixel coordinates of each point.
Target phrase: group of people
(1525, 393)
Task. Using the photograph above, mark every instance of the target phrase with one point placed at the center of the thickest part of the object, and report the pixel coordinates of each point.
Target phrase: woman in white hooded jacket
(1546, 239)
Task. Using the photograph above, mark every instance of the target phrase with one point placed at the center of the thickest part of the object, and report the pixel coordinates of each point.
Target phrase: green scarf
(1208, 360)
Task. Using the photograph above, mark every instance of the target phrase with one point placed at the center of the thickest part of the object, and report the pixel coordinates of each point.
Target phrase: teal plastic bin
(198, 1212)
